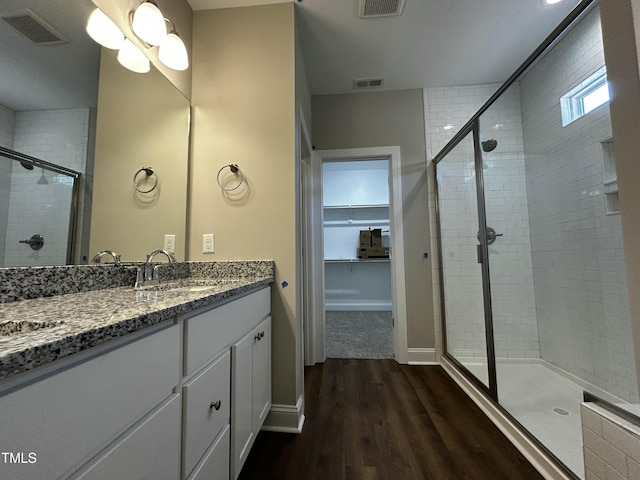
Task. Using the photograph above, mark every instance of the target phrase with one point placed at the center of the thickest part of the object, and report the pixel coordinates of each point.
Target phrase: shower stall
(532, 272)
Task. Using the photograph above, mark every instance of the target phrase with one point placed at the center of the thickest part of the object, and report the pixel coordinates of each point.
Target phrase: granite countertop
(38, 331)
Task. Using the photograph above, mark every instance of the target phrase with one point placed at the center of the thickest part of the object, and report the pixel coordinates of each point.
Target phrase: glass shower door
(462, 276)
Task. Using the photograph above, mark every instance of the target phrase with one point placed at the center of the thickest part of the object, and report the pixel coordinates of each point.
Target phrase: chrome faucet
(148, 273)
(99, 255)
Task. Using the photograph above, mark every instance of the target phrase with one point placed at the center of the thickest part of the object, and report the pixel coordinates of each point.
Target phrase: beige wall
(389, 119)
(142, 120)
(244, 112)
(178, 11)
(621, 37)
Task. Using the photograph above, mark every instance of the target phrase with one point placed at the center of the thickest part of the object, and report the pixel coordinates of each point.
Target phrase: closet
(355, 199)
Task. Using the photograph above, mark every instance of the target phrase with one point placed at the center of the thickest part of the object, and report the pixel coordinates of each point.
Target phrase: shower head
(42, 180)
(26, 165)
(489, 145)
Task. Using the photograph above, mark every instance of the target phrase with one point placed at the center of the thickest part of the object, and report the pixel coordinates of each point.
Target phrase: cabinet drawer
(151, 450)
(215, 465)
(204, 417)
(209, 332)
(69, 416)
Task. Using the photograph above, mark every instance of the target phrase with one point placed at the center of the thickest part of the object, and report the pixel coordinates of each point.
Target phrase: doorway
(358, 217)
(356, 233)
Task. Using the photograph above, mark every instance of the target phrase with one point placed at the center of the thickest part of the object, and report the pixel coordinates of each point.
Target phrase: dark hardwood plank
(378, 420)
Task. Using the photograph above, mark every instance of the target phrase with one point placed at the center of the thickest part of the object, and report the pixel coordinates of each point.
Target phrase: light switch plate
(170, 243)
(208, 245)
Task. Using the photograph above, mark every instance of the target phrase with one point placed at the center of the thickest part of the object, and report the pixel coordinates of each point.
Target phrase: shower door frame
(483, 254)
(473, 125)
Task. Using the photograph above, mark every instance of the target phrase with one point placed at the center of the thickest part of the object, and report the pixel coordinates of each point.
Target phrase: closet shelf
(357, 260)
(367, 223)
(342, 207)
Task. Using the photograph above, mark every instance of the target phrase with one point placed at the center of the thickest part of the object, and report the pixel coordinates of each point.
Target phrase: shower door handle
(480, 254)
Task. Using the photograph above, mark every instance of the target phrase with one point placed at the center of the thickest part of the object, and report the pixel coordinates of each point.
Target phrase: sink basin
(189, 286)
(192, 288)
(13, 327)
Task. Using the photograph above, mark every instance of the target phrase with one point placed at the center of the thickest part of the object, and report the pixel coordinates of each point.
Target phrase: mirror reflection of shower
(45, 203)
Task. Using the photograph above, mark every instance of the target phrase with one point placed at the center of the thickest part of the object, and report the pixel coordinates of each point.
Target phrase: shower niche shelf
(610, 178)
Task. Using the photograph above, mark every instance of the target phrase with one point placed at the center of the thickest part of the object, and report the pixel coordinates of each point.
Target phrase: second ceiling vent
(380, 8)
(366, 83)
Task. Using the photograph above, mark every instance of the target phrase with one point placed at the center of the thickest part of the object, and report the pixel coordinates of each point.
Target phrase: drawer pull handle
(259, 336)
(216, 405)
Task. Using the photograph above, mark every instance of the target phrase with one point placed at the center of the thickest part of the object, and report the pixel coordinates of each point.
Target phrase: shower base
(546, 401)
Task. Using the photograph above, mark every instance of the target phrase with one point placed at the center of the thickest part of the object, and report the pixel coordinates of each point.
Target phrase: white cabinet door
(242, 401)
(206, 409)
(261, 374)
(150, 451)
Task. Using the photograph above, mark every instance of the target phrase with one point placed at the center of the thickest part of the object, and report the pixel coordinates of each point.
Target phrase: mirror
(142, 137)
(52, 89)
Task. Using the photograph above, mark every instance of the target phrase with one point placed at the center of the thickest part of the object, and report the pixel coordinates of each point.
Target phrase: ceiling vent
(34, 28)
(380, 8)
(366, 83)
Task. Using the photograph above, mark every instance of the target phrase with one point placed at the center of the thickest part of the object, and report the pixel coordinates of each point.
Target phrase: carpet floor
(359, 335)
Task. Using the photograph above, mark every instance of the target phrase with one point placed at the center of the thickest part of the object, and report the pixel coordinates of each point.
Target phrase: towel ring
(234, 169)
(148, 171)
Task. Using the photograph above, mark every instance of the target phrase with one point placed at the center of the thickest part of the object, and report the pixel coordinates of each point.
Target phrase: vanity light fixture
(147, 22)
(102, 29)
(131, 57)
(552, 2)
(172, 51)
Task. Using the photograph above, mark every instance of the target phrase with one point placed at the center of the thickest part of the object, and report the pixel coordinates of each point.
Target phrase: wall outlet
(208, 245)
(170, 243)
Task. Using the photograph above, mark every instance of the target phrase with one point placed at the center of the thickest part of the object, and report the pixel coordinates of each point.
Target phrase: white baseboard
(422, 356)
(285, 418)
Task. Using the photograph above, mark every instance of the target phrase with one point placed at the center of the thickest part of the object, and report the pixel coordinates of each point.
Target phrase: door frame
(314, 334)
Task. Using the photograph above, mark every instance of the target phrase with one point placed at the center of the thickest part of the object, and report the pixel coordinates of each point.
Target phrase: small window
(585, 97)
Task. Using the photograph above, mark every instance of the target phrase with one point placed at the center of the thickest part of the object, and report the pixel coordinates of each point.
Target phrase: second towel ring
(234, 169)
(149, 172)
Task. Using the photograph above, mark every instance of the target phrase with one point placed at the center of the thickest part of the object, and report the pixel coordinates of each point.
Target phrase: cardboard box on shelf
(376, 237)
(373, 252)
(365, 238)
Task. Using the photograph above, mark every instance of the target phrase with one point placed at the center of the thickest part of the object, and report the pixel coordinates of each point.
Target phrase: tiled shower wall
(515, 331)
(578, 258)
(574, 256)
(56, 136)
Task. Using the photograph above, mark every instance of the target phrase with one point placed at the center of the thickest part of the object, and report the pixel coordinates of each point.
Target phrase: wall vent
(34, 28)
(380, 8)
(365, 83)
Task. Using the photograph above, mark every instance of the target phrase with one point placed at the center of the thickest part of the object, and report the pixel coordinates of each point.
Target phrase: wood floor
(378, 420)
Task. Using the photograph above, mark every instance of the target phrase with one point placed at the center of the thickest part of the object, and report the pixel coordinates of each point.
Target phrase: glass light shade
(173, 53)
(102, 29)
(131, 57)
(148, 23)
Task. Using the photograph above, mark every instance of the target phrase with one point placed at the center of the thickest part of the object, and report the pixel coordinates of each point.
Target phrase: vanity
(171, 382)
